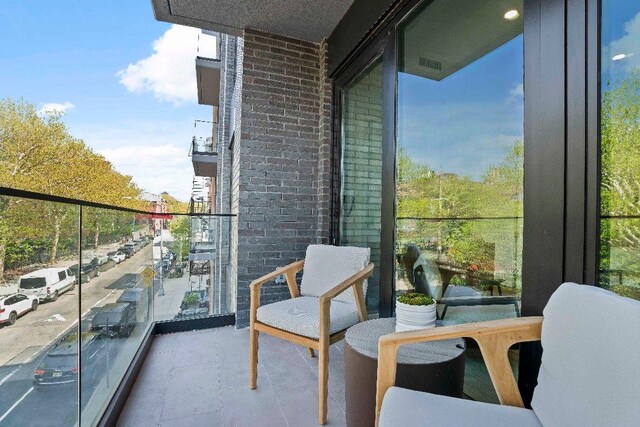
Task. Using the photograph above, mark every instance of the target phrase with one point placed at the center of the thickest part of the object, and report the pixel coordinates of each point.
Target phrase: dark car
(128, 251)
(138, 298)
(60, 365)
(119, 318)
(89, 271)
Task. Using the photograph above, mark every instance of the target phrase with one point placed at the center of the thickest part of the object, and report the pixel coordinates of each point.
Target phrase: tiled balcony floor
(201, 378)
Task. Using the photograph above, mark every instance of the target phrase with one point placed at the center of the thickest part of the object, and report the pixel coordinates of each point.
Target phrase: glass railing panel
(204, 137)
(209, 45)
(116, 300)
(39, 361)
(193, 268)
(620, 264)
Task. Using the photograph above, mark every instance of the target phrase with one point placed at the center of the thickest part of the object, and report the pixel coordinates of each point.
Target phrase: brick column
(281, 160)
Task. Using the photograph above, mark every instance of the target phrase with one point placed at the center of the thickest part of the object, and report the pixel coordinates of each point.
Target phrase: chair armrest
(493, 337)
(354, 281)
(290, 273)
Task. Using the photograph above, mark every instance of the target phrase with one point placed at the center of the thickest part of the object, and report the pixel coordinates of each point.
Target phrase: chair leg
(253, 358)
(311, 353)
(323, 381)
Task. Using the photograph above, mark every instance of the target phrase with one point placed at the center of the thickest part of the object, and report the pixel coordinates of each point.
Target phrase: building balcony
(204, 157)
(208, 68)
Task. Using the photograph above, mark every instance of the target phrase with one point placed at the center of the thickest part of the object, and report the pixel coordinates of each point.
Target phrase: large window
(361, 180)
(620, 145)
(460, 157)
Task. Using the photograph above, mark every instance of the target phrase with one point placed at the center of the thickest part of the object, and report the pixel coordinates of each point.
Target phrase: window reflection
(460, 158)
(620, 147)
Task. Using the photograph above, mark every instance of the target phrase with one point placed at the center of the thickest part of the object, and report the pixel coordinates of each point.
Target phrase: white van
(47, 284)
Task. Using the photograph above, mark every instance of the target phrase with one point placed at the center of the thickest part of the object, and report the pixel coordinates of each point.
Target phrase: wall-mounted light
(511, 15)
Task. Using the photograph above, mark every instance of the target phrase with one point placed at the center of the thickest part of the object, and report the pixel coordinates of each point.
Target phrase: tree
(37, 153)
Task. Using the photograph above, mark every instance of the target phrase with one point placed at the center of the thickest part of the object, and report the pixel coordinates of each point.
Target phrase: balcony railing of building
(208, 68)
(102, 283)
(203, 149)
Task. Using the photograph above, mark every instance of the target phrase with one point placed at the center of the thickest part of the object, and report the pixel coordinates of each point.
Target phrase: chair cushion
(590, 372)
(326, 266)
(408, 408)
(302, 316)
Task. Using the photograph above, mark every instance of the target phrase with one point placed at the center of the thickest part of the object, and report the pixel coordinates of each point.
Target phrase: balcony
(203, 150)
(132, 263)
(208, 68)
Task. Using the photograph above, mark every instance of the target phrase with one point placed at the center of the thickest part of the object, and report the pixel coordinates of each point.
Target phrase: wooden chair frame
(494, 338)
(325, 339)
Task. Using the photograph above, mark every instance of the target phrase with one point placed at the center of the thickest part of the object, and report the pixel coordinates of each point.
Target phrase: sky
(125, 82)
(466, 122)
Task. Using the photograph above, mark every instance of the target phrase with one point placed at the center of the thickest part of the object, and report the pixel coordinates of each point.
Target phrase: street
(26, 343)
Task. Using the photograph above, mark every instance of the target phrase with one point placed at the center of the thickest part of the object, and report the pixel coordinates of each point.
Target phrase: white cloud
(153, 152)
(517, 91)
(155, 169)
(629, 45)
(55, 108)
(169, 73)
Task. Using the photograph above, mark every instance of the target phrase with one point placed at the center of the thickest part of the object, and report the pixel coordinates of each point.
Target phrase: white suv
(14, 306)
(47, 284)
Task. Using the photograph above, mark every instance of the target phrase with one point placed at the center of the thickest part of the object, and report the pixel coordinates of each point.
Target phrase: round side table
(434, 367)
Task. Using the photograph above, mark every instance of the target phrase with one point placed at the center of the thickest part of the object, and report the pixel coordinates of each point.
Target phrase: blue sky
(78, 54)
(464, 123)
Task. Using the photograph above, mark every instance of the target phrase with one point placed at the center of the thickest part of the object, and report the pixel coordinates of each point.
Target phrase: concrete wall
(281, 161)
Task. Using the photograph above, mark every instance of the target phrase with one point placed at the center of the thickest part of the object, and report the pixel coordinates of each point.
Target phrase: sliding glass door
(460, 113)
(361, 166)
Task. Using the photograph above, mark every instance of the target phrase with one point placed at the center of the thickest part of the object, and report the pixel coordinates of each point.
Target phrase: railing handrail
(25, 194)
(469, 218)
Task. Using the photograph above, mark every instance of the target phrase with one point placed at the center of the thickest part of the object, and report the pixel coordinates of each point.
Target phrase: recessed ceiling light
(618, 57)
(511, 15)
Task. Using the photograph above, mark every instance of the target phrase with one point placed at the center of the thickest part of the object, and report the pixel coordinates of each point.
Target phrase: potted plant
(415, 310)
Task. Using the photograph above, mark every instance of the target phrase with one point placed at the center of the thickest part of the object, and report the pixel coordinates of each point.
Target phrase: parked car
(60, 365)
(133, 246)
(127, 250)
(138, 298)
(117, 256)
(100, 260)
(103, 263)
(89, 271)
(47, 284)
(116, 317)
(16, 305)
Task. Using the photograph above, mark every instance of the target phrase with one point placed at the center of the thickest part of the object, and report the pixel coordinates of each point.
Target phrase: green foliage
(415, 298)
(487, 246)
(191, 299)
(38, 153)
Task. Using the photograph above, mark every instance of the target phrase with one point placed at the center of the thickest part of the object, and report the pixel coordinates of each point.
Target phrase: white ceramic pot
(412, 317)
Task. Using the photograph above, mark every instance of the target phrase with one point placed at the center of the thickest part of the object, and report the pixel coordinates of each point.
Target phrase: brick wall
(281, 160)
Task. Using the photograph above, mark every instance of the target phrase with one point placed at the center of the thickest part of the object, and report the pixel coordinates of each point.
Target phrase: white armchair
(590, 372)
(317, 315)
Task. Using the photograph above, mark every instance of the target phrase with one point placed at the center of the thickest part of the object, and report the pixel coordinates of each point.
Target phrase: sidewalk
(167, 306)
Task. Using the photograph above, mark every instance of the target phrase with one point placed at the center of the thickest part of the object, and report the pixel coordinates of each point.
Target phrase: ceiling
(310, 20)
(448, 35)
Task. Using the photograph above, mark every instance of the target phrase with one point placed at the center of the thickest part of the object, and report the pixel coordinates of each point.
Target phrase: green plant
(415, 298)
(191, 299)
